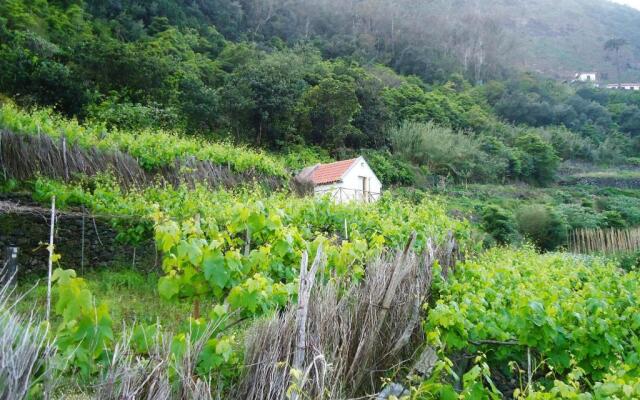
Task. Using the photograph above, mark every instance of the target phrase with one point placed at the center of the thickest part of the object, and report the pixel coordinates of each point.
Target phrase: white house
(348, 180)
(586, 77)
(624, 86)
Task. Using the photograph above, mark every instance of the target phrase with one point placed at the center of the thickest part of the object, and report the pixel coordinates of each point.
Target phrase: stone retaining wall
(27, 227)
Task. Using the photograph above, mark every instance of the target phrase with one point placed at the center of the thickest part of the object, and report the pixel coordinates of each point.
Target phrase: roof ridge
(332, 172)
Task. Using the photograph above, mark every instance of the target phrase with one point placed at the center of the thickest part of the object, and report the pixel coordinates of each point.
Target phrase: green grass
(131, 295)
(615, 174)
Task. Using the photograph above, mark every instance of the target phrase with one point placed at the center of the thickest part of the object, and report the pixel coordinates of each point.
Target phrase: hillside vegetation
(145, 69)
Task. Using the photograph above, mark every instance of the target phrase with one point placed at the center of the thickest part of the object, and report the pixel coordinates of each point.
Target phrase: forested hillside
(234, 71)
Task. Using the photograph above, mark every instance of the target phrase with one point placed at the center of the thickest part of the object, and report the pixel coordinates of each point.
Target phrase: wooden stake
(82, 244)
(64, 158)
(307, 278)
(529, 377)
(50, 248)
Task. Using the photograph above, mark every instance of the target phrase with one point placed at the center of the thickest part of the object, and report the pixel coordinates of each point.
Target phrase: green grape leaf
(168, 287)
(256, 221)
(224, 349)
(281, 247)
(214, 269)
(239, 298)
(191, 251)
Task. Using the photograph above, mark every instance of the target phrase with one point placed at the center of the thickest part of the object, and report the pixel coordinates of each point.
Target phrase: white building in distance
(624, 86)
(343, 181)
(586, 77)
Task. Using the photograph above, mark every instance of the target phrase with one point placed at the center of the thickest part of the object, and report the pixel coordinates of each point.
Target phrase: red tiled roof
(329, 173)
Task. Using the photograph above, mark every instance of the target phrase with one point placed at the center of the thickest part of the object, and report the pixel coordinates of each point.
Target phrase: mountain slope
(559, 38)
(480, 37)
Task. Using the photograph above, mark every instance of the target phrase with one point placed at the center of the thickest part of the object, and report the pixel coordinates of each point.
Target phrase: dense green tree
(543, 225)
(328, 110)
(263, 95)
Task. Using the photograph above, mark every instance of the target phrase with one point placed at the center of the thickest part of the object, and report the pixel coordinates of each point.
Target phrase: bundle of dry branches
(353, 336)
(132, 376)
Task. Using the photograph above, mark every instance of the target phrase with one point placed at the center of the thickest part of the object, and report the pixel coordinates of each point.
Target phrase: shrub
(543, 225)
(630, 262)
(298, 157)
(569, 145)
(443, 150)
(499, 223)
(391, 170)
(580, 216)
(540, 159)
(613, 219)
(132, 116)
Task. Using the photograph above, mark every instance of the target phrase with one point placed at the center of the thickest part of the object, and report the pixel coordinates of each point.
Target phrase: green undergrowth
(247, 244)
(561, 208)
(130, 294)
(230, 256)
(151, 148)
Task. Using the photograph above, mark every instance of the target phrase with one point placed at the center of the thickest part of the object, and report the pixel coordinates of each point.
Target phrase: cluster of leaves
(469, 157)
(590, 111)
(544, 216)
(572, 313)
(85, 332)
(241, 251)
(392, 218)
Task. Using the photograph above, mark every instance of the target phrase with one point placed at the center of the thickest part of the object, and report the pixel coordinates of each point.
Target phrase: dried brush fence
(335, 343)
(24, 348)
(28, 357)
(606, 241)
(340, 342)
(24, 157)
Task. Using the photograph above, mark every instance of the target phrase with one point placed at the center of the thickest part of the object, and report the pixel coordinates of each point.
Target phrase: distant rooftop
(322, 174)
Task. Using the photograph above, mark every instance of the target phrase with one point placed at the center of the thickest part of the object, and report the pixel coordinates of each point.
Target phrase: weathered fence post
(51, 248)
(64, 158)
(82, 242)
(10, 268)
(307, 279)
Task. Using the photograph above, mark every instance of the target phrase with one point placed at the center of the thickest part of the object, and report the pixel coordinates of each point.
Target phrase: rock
(426, 362)
(395, 389)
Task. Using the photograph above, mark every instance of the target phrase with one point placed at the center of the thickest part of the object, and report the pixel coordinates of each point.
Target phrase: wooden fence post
(50, 247)
(307, 278)
(82, 243)
(64, 158)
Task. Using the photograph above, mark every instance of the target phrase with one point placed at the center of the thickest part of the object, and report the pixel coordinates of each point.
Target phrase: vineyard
(218, 318)
(152, 149)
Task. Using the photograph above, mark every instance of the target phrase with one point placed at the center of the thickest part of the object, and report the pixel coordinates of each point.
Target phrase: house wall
(587, 77)
(625, 86)
(350, 188)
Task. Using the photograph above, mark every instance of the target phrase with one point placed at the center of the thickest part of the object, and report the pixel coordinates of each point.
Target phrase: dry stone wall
(27, 226)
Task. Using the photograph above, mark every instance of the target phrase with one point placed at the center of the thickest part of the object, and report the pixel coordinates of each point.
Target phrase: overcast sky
(632, 3)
